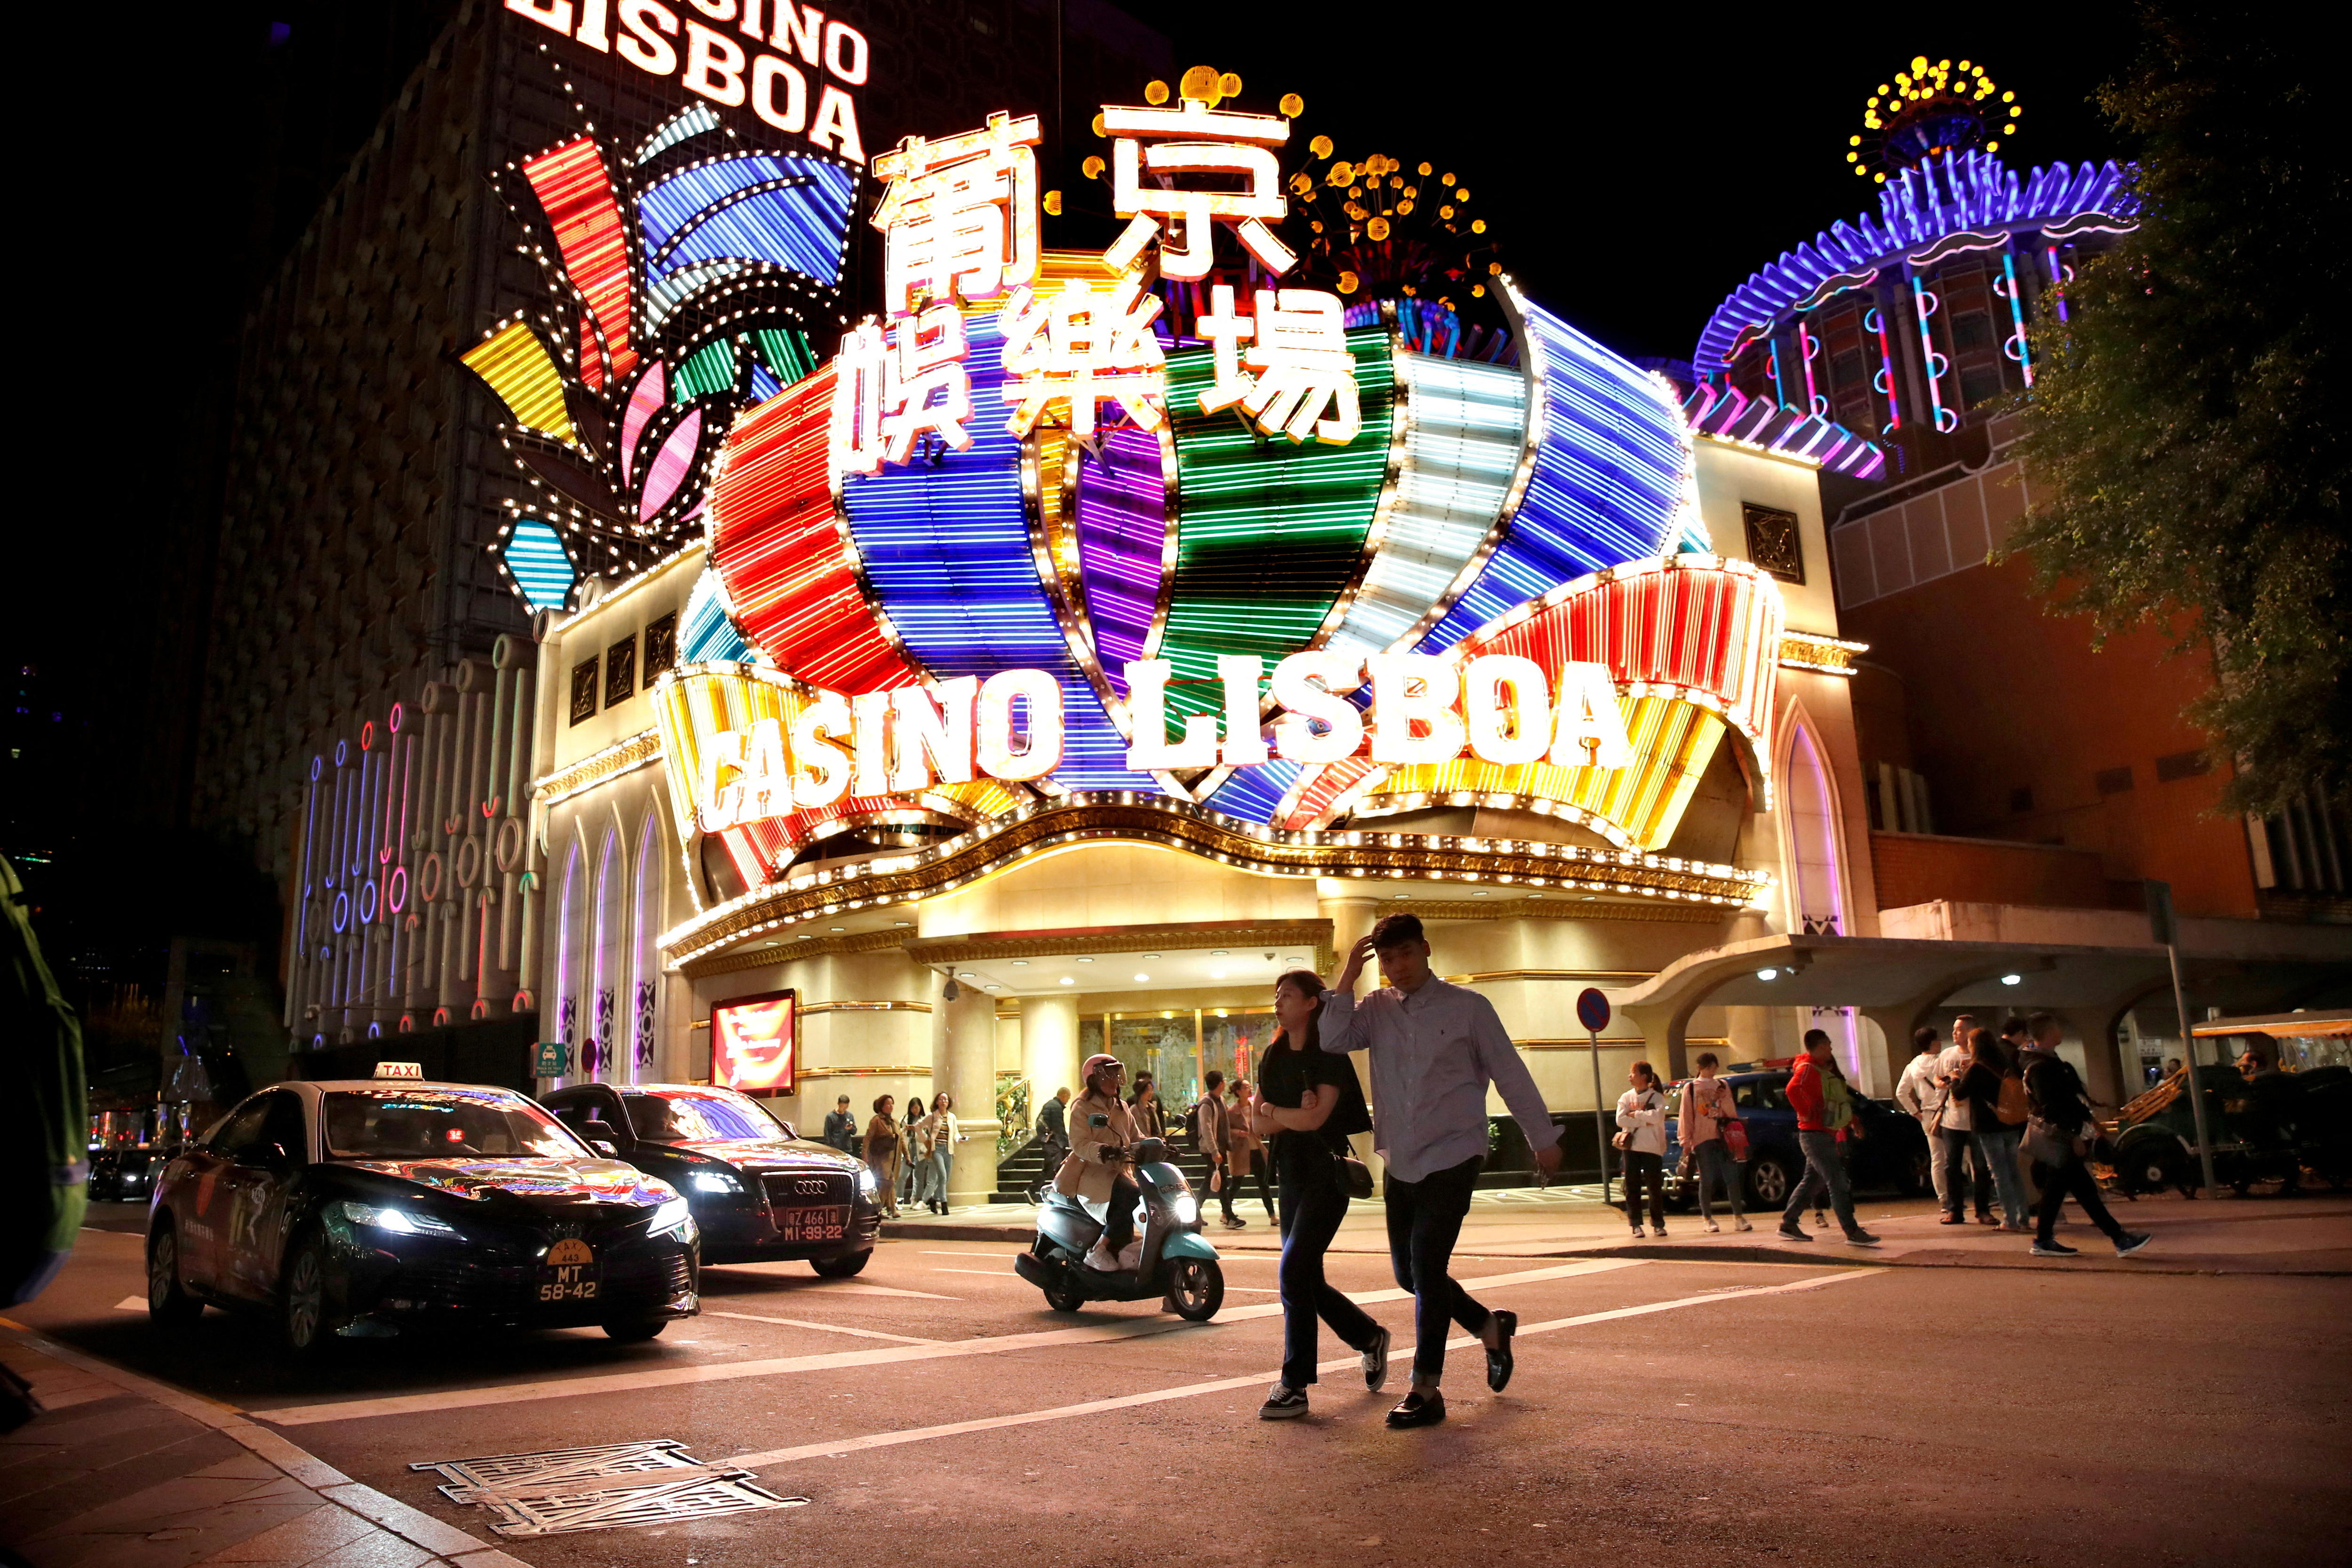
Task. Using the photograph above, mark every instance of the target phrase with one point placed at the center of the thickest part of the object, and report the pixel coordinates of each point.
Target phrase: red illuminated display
(753, 1043)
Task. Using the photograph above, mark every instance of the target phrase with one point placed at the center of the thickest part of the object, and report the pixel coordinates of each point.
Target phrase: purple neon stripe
(1122, 528)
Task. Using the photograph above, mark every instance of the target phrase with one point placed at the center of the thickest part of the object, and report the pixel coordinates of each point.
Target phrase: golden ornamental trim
(979, 947)
(1603, 977)
(813, 1008)
(793, 951)
(1816, 651)
(620, 757)
(1127, 818)
(1553, 910)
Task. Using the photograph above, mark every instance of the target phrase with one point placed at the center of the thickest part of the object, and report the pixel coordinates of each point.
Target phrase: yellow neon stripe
(516, 365)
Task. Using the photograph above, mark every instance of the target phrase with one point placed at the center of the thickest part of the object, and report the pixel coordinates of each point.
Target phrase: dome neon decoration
(1931, 109)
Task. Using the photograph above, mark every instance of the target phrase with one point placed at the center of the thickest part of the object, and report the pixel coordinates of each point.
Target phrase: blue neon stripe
(1606, 486)
(1252, 793)
(706, 629)
(946, 551)
(753, 207)
(542, 567)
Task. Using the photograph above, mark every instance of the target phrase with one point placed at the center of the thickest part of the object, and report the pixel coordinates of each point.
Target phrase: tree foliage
(2187, 433)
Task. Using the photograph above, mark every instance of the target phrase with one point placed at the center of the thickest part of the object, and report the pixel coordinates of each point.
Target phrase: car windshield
(682, 1115)
(442, 1124)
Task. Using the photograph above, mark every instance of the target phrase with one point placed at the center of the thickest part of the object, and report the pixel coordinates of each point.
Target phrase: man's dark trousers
(1424, 1220)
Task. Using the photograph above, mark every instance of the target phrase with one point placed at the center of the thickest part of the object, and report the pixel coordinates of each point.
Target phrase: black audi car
(759, 1192)
(368, 1208)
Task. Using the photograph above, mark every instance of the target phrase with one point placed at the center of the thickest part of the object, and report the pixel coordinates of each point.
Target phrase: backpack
(2010, 1107)
(1192, 1124)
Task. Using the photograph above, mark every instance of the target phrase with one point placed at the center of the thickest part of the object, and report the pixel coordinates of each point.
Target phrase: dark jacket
(841, 1131)
(2054, 1091)
(1980, 1087)
(1053, 1122)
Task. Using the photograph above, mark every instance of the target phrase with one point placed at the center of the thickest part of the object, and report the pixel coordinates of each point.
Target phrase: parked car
(366, 1208)
(124, 1175)
(1891, 1155)
(761, 1191)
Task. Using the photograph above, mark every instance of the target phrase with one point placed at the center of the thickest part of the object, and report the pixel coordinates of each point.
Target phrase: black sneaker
(1234, 1222)
(1419, 1410)
(1788, 1233)
(2055, 1249)
(1860, 1238)
(2132, 1242)
(1282, 1403)
(1376, 1363)
(1499, 1363)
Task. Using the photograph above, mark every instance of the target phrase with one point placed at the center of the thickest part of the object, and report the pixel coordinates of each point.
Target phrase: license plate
(570, 1273)
(812, 1225)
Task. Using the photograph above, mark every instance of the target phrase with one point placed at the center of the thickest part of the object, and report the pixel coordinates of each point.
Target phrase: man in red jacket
(1824, 1107)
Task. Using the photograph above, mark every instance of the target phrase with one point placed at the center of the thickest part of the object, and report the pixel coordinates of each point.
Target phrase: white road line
(843, 1449)
(1000, 1255)
(728, 1372)
(828, 1328)
(989, 1273)
(799, 1281)
(132, 1304)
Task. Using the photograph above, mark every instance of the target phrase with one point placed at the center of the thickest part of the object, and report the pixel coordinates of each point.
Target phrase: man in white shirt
(1921, 1091)
(1435, 1047)
(1955, 1148)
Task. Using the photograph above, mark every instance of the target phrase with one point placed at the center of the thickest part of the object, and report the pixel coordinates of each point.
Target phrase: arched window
(644, 922)
(1816, 872)
(608, 949)
(570, 910)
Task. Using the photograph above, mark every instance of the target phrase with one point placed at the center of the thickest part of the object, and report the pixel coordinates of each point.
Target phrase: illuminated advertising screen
(752, 1043)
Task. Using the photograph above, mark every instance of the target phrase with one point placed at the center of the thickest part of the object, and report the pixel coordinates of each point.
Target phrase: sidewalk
(2309, 1236)
(121, 1472)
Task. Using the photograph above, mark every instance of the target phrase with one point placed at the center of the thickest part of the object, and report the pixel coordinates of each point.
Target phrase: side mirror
(599, 1134)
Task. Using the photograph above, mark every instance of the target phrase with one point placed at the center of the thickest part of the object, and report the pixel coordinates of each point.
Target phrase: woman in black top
(1308, 1102)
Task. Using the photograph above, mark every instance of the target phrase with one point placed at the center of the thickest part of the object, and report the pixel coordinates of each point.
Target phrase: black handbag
(1355, 1176)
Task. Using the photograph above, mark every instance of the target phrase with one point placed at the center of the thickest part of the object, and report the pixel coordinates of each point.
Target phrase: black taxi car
(759, 1192)
(359, 1209)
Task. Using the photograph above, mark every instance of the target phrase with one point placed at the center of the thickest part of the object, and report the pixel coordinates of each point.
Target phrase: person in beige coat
(1100, 1165)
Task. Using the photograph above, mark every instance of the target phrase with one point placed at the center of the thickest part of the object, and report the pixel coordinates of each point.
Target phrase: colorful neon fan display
(684, 279)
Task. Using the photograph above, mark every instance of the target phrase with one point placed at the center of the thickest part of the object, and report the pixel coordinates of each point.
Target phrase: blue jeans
(1715, 1164)
(1998, 1149)
(1424, 1220)
(943, 1167)
(1824, 1171)
(1312, 1207)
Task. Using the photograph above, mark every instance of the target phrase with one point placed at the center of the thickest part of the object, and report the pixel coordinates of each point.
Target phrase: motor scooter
(1177, 1262)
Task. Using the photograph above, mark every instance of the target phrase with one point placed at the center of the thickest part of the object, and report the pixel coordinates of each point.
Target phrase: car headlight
(715, 1182)
(1186, 1206)
(399, 1221)
(865, 1180)
(674, 1217)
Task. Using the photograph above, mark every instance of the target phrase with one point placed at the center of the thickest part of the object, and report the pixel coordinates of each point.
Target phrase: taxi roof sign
(400, 1069)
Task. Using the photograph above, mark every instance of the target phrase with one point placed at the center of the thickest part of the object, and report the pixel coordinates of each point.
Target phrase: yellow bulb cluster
(1957, 84)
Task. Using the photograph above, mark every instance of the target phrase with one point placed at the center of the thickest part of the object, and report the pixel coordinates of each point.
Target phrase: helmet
(1097, 1063)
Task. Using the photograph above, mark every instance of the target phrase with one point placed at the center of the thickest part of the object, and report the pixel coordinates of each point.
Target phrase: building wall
(1916, 867)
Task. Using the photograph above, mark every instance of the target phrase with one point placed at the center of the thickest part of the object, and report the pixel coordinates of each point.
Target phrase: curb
(420, 1530)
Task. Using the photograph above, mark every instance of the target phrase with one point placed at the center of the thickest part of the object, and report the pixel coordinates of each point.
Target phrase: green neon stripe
(711, 369)
(787, 352)
(1269, 535)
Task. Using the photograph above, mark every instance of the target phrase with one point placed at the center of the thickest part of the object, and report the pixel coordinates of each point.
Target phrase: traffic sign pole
(1592, 1012)
(2166, 927)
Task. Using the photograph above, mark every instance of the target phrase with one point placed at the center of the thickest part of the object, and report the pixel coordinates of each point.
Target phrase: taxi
(368, 1208)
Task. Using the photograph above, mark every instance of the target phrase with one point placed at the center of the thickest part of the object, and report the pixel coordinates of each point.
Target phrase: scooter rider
(1100, 1158)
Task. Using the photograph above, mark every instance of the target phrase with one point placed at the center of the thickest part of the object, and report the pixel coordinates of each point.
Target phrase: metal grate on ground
(618, 1485)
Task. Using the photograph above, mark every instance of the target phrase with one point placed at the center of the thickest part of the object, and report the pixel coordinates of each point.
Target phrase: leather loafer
(1419, 1410)
(1499, 1363)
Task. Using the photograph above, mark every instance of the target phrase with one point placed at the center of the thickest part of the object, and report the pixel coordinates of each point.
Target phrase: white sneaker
(1637, 1232)
(1741, 1224)
(1131, 1255)
(1101, 1259)
(1712, 1228)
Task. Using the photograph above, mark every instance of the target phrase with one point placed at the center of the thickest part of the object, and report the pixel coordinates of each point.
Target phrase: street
(933, 1410)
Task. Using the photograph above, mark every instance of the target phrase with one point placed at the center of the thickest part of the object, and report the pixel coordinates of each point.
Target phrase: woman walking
(1247, 1149)
(1641, 1134)
(915, 1159)
(1996, 1142)
(943, 1132)
(882, 1147)
(1706, 1106)
(1310, 1101)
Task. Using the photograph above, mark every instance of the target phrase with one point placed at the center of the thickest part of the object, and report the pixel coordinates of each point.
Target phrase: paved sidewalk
(122, 1472)
(2309, 1234)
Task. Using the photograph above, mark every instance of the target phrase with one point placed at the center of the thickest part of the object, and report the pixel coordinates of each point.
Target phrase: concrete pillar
(1049, 1048)
(966, 1068)
(2102, 1055)
(1351, 916)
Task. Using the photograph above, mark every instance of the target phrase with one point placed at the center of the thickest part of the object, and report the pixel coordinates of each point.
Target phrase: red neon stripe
(781, 553)
(577, 195)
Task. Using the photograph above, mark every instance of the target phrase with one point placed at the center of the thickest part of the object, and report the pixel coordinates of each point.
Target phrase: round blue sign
(1592, 1009)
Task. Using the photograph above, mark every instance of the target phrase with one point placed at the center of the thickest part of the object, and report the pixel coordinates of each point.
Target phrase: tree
(2186, 434)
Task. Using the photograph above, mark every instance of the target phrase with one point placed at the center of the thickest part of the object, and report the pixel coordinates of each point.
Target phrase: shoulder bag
(2047, 1143)
(1355, 1176)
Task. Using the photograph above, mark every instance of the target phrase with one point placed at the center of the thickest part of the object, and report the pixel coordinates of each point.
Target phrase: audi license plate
(813, 1223)
(570, 1273)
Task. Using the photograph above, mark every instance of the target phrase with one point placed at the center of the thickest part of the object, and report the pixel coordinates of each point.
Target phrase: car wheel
(167, 1303)
(1196, 1288)
(1768, 1183)
(842, 1267)
(303, 1317)
(638, 1333)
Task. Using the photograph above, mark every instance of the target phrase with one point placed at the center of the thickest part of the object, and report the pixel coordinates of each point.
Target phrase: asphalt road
(934, 1410)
